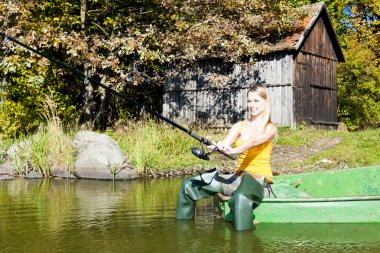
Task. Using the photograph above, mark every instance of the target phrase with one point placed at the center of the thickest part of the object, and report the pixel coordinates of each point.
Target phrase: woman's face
(256, 104)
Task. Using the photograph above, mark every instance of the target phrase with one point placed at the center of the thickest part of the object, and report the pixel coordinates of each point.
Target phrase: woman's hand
(212, 146)
(223, 147)
(229, 150)
(217, 146)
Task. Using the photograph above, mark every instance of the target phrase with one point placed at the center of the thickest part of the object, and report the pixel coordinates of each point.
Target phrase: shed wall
(214, 93)
(315, 82)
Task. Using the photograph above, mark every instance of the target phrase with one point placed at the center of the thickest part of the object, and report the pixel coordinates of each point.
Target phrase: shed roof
(313, 13)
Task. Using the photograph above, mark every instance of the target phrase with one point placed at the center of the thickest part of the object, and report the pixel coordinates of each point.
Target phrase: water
(138, 216)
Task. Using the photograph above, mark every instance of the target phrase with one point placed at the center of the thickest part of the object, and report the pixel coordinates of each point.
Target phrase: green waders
(247, 197)
(195, 188)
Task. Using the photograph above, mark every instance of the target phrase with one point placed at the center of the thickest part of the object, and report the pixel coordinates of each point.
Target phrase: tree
(125, 45)
(359, 87)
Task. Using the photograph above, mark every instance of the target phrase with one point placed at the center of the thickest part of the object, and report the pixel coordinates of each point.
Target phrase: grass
(50, 147)
(4, 146)
(356, 149)
(154, 146)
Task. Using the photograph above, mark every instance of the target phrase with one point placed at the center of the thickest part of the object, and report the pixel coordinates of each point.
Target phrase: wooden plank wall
(315, 82)
(214, 93)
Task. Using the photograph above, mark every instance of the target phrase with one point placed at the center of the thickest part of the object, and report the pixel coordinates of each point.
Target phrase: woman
(254, 141)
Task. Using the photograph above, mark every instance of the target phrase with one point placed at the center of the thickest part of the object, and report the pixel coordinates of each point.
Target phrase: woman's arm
(269, 134)
(231, 137)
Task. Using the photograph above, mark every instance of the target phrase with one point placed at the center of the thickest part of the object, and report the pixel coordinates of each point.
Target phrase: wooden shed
(299, 71)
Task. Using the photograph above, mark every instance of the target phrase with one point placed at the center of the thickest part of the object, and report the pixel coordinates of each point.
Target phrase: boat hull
(311, 210)
(342, 196)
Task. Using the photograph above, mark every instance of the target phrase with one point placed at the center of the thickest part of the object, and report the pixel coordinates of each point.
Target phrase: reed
(50, 147)
(151, 145)
(4, 146)
(38, 152)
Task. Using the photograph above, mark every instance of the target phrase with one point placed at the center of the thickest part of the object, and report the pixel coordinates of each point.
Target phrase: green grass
(157, 146)
(302, 137)
(356, 149)
(50, 147)
(4, 146)
(154, 146)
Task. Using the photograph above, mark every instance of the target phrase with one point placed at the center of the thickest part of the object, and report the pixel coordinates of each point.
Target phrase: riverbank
(302, 150)
(156, 150)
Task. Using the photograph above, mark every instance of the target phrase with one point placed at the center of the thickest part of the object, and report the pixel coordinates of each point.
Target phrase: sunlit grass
(50, 147)
(302, 137)
(156, 146)
(356, 149)
(4, 146)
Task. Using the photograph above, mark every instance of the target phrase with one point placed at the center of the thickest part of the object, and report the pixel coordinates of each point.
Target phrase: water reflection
(139, 216)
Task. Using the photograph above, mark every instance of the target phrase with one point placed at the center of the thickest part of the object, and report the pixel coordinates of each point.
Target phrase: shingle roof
(295, 41)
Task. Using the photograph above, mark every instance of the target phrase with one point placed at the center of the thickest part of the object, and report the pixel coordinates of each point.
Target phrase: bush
(359, 88)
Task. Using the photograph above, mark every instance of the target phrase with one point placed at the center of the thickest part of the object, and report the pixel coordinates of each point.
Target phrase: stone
(99, 157)
(6, 177)
(34, 175)
(62, 174)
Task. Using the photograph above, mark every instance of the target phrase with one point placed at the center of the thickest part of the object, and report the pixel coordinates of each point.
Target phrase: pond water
(139, 216)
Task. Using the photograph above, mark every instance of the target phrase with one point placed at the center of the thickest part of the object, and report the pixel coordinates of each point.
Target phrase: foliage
(26, 80)
(127, 44)
(359, 87)
(359, 77)
(227, 29)
(124, 43)
(361, 22)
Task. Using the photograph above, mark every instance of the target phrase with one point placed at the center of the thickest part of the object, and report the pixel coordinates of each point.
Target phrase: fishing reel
(201, 153)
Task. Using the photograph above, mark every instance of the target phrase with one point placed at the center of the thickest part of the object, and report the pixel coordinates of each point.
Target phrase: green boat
(339, 196)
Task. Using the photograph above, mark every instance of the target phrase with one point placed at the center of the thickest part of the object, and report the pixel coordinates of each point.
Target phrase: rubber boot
(195, 188)
(244, 200)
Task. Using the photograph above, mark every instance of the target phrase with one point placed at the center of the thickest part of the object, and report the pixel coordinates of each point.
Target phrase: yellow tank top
(255, 160)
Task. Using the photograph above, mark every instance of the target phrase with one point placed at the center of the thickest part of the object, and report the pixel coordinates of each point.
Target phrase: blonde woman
(253, 139)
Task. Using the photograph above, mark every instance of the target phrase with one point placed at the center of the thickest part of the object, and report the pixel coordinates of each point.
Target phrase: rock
(99, 157)
(62, 174)
(325, 161)
(34, 174)
(6, 177)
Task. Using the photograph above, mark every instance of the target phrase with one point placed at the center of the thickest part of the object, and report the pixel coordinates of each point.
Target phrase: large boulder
(100, 157)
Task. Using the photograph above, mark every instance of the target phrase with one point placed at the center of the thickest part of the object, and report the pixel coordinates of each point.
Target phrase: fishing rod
(200, 153)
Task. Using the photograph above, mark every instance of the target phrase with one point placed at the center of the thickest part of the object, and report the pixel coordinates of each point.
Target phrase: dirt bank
(283, 160)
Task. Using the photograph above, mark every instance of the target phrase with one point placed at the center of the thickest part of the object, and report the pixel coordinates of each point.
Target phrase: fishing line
(199, 153)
